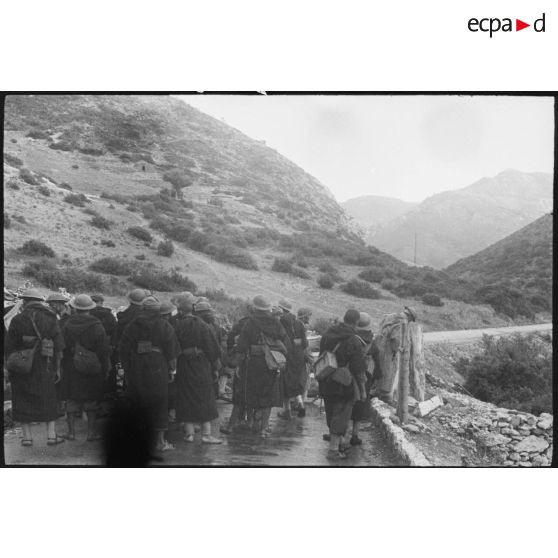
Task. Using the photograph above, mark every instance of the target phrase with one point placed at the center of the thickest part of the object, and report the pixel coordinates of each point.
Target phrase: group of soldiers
(177, 358)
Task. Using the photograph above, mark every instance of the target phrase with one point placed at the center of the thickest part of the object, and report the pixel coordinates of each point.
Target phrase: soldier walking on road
(83, 380)
(148, 351)
(262, 382)
(34, 396)
(197, 371)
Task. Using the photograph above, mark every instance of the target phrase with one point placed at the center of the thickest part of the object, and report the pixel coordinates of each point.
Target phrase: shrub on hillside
(327, 268)
(61, 146)
(79, 200)
(140, 257)
(140, 233)
(100, 222)
(165, 248)
(282, 265)
(114, 197)
(505, 300)
(325, 281)
(513, 372)
(112, 266)
(432, 299)
(410, 288)
(373, 275)
(71, 278)
(12, 160)
(300, 260)
(388, 284)
(7, 221)
(27, 176)
(75, 166)
(237, 256)
(217, 202)
(89, 150)
(299, 272)
(13, 140)
(37, 248)
(158, 280)
(65, 186)
(37, 134)
(108, 243)
(12, 184)
(44, 191)
(90, 211)
(361, 289)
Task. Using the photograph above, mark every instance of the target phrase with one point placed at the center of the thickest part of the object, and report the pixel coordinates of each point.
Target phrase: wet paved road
(296, 443)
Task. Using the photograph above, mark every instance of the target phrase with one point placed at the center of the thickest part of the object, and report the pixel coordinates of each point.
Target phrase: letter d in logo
(539, 24)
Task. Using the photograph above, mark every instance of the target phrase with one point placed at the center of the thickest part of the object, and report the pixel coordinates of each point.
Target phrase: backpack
(274, 352)
(86, 362)
(21, 362)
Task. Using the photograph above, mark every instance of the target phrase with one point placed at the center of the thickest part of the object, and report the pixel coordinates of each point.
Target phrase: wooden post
(403, 389)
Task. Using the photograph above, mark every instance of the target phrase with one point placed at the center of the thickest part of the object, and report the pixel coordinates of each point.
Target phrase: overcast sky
(407, 147)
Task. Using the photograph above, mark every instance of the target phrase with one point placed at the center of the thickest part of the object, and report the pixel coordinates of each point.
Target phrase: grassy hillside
(458, 223)
(520, 264)
(249, 221)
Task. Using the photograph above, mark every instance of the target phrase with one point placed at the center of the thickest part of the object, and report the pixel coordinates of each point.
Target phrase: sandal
(26, 443)
(211, 440)
(54, 441)
(165, 447)
(189, 438)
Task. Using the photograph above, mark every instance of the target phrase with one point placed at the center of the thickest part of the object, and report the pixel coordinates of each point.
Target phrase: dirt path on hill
(466, 335)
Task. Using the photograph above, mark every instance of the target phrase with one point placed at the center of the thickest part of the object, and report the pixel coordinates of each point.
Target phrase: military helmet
(82, 302)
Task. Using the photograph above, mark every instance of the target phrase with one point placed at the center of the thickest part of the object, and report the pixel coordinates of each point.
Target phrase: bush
(112, 266)
(361, 289)
(325, 281)
(300, 260)
(432, 299)
(19, 219)
(372, 275)
(282, 265)
(236, 256)
(140, 233)
(90, 211)
(65, 186)
(37, 134)
(158, 280)
(217, 202)
(75, 166)
(79, 200)
(505, 300)
(27, 176)
(44, 190)
(71, 278)
(13, 140)
(165, 248)
(108, 243)
(12, 160)
(100, 222)
(388, 284)
(61, 146)
(7, 221)
(513, 372)
(140, 257)
(88, 150)
(299, 272)
(37, 248)
(328, 268)
(410, 288)
(12, 184)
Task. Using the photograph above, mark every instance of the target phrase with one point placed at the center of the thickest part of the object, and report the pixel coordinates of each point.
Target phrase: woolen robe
(295, 374)
(147, 374)
(34, 397)
(262, 386)
(195, 382)
(339, 399)
(89, 332)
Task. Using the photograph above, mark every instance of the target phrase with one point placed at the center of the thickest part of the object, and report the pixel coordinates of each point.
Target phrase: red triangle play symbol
(519, 25)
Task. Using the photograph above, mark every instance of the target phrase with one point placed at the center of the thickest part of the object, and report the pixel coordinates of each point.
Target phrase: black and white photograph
(278, 279)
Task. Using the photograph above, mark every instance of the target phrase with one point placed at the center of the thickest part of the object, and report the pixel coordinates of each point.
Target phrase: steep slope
(82, 173)
(371, 211)
(455, 224)
(521, 261)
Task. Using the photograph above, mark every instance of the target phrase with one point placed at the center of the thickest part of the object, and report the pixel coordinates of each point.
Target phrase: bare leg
(162, 444)
(207, 438)
(189, 430)
(233, 420)
(334, 442)
(91, 426)
(222, 385)
(71, 420)
(27, 436)
(264, 428)
(300, 405)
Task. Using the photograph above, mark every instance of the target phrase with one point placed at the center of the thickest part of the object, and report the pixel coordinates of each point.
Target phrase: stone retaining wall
(514, 438)
(395, 436)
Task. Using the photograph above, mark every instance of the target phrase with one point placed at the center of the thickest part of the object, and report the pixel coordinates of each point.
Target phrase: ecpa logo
(492, 25)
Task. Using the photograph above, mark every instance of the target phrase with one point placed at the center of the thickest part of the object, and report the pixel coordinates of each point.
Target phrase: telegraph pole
(415, 260)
